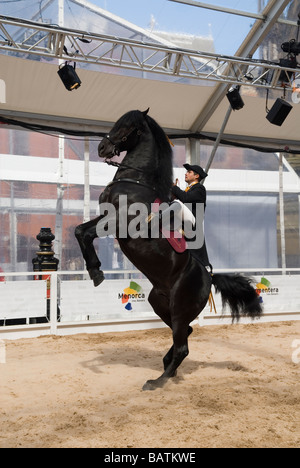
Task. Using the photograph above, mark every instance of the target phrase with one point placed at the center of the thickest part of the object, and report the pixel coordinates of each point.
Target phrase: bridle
(118, 147)
(116, 152)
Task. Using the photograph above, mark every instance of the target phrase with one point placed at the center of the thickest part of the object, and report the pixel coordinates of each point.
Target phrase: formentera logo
(265, 288)
(134, 293)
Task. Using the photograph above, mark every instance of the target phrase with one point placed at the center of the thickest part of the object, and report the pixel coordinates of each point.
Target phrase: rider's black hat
(197, 170)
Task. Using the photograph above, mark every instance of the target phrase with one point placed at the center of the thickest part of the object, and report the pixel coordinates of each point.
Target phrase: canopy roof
(31, 90)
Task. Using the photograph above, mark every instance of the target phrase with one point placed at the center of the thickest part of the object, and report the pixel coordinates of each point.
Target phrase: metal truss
(28, 39)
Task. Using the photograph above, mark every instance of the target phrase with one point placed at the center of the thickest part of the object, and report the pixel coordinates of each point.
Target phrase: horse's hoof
(151, 385)
(97, 277)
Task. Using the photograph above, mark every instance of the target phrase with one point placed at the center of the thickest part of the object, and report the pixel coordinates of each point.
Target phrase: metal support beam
(41, 9)
(220, 9)
(261, 28)
(231, 11)
(60, 197)
(193, 151)
(218, 140)
(87, 195)
(55, 42)
(281, 215)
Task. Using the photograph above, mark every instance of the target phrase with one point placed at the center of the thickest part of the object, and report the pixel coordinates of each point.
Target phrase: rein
(131, 181)
(121, 165)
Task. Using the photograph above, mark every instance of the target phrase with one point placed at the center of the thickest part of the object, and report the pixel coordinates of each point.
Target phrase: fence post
(53, 304)
(45, 261)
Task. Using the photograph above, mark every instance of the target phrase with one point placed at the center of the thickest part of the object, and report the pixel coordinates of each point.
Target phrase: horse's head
(124, 135)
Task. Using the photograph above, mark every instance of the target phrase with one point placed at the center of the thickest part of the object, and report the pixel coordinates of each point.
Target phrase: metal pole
(231, 11)
(281, 215)
(60, 196)
(53, 304)
(12, 214)
(61, 157)
(220, 9)
(87, 195)
(217, 143)
(61, 12)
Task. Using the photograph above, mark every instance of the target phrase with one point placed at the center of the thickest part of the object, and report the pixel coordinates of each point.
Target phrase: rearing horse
(181, 284)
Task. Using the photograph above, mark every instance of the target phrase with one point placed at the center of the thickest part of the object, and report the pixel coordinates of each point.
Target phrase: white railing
(75, 306)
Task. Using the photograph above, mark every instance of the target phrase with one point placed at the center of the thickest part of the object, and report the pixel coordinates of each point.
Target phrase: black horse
(181, 284)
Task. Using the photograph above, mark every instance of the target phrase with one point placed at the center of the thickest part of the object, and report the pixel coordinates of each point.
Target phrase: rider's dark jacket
(196, 194)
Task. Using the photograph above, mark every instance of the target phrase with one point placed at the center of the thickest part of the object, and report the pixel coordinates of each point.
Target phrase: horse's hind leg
(85, 234)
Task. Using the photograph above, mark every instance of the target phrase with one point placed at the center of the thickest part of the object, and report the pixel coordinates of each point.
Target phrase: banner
(278, 294)
(23, 299)
(115, 299)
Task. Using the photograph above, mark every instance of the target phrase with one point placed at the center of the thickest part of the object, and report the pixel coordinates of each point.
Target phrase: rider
(194, 193)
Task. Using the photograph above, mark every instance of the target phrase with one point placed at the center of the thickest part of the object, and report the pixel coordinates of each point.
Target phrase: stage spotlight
(279, 112)
(292, 47)
(287, 63)
(234, 98)
(69, 76)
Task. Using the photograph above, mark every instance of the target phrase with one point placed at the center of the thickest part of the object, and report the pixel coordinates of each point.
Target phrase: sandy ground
(239, 387)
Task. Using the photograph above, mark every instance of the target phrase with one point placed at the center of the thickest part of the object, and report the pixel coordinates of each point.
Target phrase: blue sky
(227, 30)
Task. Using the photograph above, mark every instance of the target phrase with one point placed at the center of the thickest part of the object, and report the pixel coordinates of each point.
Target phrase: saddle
(175, 238)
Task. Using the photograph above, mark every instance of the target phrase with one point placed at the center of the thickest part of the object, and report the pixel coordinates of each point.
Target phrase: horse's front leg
(85, 234)
(173, 359)
(169, 356)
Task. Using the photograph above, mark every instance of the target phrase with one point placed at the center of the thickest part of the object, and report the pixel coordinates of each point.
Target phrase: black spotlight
(234, 98)
(279, 112)
(291, 47)
(69, 76)
(287, 63)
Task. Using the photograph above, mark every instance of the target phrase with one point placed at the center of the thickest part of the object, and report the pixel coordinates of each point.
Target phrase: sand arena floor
(239, 387)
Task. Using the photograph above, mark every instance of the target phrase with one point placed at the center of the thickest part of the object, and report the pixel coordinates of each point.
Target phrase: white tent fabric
(33, 89)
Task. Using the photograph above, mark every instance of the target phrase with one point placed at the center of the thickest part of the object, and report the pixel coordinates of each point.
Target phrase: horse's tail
(239, 294)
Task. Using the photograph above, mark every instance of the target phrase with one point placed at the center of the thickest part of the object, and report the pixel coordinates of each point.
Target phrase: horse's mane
(163, 171)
